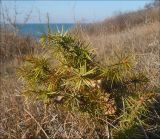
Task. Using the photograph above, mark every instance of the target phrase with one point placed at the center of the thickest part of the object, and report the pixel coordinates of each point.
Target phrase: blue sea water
(36, 30)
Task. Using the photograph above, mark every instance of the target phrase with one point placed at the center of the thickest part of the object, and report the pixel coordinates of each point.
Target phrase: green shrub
(68, 75)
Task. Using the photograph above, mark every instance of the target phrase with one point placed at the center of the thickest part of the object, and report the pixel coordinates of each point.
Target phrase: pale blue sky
(70, 11)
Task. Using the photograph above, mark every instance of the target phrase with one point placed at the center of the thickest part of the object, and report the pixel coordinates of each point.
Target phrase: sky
(68, 11)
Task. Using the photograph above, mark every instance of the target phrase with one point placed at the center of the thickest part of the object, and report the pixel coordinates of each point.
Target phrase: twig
(142, 128)
(37, 123)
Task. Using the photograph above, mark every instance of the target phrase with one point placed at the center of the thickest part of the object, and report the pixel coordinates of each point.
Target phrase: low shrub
(114, 95)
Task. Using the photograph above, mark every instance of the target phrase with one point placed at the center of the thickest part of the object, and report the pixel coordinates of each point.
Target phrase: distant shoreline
(36, 30)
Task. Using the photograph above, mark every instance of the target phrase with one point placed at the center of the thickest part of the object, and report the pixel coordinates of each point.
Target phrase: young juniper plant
(68, 75)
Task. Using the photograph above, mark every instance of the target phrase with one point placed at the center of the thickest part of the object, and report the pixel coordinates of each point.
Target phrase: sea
(36, 30)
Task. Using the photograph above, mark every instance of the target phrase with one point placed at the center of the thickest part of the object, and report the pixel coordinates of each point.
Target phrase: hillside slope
(134, 32)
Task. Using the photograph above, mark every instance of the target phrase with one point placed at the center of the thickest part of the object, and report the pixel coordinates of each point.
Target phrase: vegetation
(103, 84)
(80, 84)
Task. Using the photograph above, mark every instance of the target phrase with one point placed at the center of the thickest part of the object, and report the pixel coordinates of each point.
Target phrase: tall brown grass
(122, 21)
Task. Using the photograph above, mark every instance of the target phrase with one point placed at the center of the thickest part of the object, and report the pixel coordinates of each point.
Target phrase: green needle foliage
(71, 78)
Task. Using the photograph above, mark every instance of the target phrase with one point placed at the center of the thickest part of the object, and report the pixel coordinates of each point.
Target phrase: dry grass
(122, 21)
(19, 120)
(141, 40)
